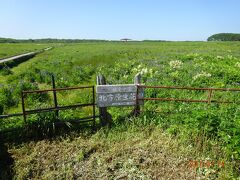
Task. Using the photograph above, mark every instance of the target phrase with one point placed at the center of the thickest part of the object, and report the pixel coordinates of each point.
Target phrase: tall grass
(212, 129)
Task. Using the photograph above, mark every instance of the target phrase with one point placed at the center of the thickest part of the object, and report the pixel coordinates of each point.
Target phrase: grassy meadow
(9, 49)
(161, 141)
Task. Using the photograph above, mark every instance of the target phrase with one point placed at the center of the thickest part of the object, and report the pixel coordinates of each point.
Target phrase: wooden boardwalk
(17, 57)
(23, 55)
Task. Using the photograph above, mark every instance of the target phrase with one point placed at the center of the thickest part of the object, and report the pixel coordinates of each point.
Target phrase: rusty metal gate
(56, 107)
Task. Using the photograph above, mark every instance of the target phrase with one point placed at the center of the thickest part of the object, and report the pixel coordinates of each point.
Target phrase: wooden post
(137, 81)
(23, 109)
(105, 117)
(94, 110)
(55, 98)
(210, 96)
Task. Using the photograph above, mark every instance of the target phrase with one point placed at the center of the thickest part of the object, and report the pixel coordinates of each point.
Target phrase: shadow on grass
(38, 131)
(6, 162)
(44, 131)
(35, 132)
(16, 62)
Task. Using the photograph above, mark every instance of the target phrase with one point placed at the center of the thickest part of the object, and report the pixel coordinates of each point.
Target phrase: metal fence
(56, 108)
(139, 101)
(209, 99)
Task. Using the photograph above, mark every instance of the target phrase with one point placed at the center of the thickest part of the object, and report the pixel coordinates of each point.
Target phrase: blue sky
(116, 19)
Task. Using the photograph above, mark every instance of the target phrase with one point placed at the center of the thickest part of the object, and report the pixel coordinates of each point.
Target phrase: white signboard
(117, 95)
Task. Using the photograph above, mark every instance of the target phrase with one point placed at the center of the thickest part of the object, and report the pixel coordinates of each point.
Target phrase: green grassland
(197, 130)
(8, 50)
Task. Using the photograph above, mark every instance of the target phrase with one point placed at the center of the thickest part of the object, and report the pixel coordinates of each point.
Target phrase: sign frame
(118, 95)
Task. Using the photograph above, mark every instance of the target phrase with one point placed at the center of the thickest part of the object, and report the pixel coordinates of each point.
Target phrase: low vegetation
(8, 50)
(126, 151)
(132, 147)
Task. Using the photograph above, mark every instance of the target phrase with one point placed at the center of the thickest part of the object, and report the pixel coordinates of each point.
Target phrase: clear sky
(116, 19)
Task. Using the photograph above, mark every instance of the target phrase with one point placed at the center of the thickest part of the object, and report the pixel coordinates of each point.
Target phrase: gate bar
(189, 88)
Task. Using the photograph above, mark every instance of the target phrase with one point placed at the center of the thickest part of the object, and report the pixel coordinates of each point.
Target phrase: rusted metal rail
(10, 115)
(189, 88)
(208, 100)
(57, 89)
(56, 107)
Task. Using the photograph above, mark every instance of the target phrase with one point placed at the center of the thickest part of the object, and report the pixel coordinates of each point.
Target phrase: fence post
(23, 109)
(94, 110)
(105, 117)
(210, 96)
(55, 98)
(137, 81)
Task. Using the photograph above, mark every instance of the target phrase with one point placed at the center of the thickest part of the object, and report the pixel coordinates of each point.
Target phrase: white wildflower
(176, 64)
(125, 76)
(202, 74)
(237, 65)
(220, 57)
(140, 66)
(144, 71)
(138, 69)
(230, 56)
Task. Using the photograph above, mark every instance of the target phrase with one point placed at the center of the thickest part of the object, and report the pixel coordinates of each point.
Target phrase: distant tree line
(147, 40)
(48, 40)
(224, 37)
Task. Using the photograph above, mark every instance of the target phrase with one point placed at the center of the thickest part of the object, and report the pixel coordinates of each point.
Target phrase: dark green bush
(224, 37)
